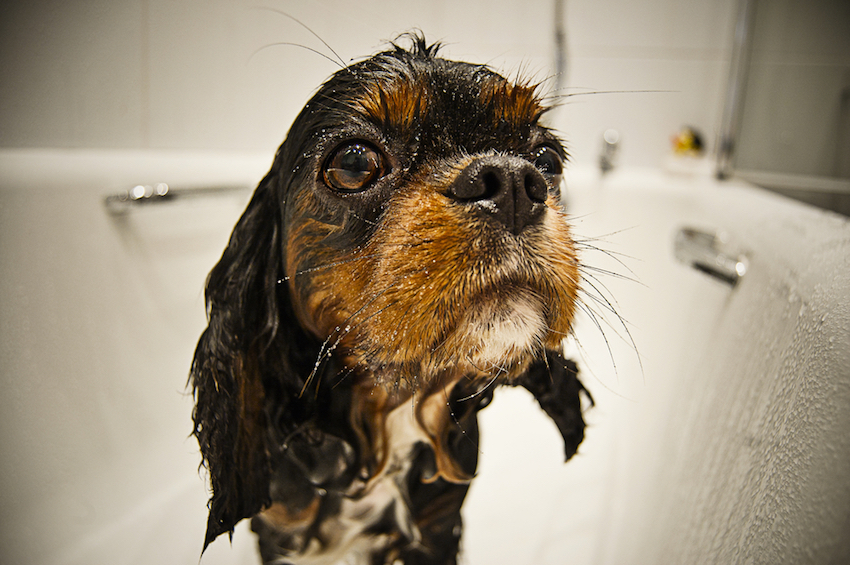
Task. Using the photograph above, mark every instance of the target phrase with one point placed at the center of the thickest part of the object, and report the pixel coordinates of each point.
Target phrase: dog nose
(508, 189)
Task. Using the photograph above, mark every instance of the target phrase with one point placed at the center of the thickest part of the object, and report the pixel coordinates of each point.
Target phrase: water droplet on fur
(488, 205)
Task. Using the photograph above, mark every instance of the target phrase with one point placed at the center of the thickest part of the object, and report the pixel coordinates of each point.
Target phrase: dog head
(422, 229)
(408, 241)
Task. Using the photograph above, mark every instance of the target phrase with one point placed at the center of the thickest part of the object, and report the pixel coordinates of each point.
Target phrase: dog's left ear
(244, 309)
(554, 383)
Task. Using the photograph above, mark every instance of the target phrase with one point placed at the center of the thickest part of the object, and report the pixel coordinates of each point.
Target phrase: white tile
(72, 74)
(690, 94)
(235, 76)
(213, 75)
(701, 25)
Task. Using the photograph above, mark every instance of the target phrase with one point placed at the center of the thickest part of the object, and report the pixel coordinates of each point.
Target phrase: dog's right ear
(244, 308)
(554, 383)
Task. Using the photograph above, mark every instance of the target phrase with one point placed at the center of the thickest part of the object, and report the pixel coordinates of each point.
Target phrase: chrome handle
(159, 193)
(710, 253)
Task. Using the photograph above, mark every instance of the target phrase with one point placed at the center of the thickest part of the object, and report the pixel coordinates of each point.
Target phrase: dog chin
(504, 333)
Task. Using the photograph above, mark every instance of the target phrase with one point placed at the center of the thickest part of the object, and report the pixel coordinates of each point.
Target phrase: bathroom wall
(191, 74)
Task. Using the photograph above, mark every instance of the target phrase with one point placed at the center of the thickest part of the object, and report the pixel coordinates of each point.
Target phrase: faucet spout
(610, 146)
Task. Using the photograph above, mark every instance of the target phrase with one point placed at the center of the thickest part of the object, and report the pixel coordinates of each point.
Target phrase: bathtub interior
(733, 447)
(718, 410)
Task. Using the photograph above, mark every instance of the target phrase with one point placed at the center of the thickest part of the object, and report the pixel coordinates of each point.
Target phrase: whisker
(492, 364)
(609, 305)
(457, 422)
(555, 94)
(602, 300)
(606, 235)
(588, 368)
(291, 44)
(325, 351)
(610, 273)
(408, 232)
(345, 261)
(619, 258)
(316, 35)
(593, 318)
(328, 266)
(612, 305)
(482, 390)
(343, 375)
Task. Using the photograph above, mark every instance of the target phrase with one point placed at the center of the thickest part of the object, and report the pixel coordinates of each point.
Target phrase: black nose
(506, 189)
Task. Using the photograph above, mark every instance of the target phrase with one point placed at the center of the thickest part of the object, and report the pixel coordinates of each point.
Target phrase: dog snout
(507, 189)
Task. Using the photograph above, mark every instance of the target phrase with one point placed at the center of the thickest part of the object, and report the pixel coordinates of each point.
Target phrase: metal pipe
(736, 88)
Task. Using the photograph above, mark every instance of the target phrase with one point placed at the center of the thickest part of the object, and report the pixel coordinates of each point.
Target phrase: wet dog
(405, 255)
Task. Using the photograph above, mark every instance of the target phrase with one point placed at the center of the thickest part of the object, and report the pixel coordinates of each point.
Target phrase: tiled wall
(192, 74)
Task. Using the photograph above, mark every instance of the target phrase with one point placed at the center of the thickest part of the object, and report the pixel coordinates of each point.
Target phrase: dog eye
(353, 167)
(547, 160)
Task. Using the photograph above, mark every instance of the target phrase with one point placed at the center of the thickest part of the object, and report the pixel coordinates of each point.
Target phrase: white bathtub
(728, 441)
(724, 441)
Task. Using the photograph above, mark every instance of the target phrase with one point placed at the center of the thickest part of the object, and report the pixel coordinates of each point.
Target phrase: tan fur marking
(515, 103)
(394, 105)
(280, 517)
